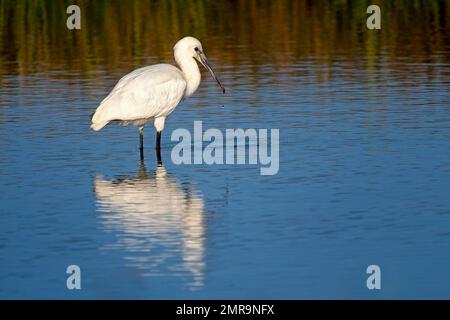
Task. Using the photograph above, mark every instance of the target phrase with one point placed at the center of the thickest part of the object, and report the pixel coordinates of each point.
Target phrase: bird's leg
(158, 157)
(158, 147)
(141, 154)
(141, 142)
(141, 138)
(158, 140)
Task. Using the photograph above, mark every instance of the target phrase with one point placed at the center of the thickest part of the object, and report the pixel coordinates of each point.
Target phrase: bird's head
(190, 47)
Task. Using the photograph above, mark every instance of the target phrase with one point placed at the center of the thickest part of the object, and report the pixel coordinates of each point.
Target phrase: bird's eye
(196, 48)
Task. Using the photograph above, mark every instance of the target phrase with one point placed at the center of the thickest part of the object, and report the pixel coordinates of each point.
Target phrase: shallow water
(364, 173)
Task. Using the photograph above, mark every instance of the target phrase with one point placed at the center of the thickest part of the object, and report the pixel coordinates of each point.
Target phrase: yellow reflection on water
(128, 34)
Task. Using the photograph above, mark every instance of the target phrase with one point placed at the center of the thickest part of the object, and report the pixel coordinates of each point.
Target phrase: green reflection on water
(127, 34)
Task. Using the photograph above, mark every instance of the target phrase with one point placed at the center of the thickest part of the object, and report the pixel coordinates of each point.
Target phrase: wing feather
(147, 92)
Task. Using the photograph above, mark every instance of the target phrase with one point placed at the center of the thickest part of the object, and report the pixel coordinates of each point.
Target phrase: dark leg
(158, 140)
(158, 157)
(141, 142)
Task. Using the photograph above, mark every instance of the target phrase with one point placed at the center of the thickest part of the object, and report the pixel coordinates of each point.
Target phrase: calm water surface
(364, 175)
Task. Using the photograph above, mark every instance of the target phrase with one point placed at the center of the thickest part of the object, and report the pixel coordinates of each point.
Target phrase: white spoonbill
(151, 93)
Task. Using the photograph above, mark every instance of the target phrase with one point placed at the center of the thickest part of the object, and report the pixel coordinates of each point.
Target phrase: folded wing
(145, 93)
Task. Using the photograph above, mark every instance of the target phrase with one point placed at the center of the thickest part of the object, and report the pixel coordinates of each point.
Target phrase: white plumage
(141, 96)
(152, 93)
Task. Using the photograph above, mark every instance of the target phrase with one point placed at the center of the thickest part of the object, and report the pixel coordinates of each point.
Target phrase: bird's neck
(191, 73)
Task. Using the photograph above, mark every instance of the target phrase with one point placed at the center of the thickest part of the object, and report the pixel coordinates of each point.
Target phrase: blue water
(364, 179)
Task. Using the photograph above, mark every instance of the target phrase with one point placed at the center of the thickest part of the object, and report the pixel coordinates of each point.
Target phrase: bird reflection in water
(159, 223)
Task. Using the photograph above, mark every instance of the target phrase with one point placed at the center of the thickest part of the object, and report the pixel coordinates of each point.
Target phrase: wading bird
(151, 93)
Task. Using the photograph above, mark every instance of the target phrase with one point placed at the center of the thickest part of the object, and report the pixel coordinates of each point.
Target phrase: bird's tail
(98, 119)
(98, 126)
